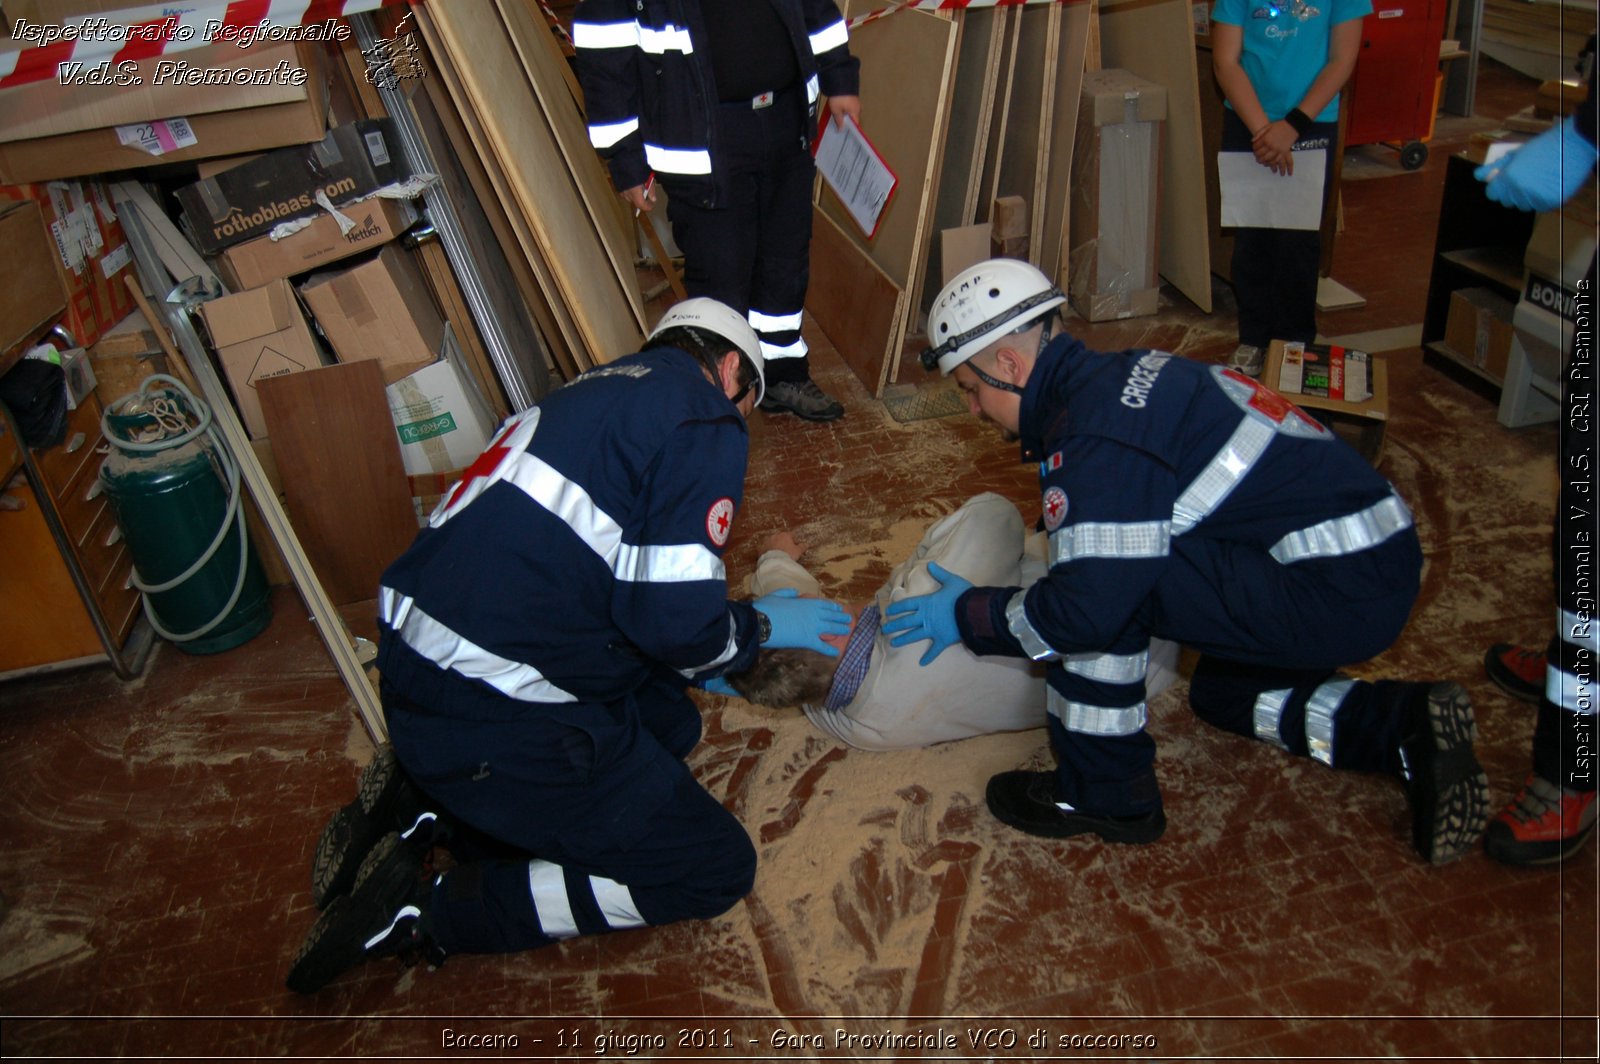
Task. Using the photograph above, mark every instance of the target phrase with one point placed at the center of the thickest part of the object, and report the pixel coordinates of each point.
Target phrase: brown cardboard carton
(31, 295)
(1346, 390)
(255, 262)
(380, 309)
(259, 333)
(1116, 166)
(1478, 329)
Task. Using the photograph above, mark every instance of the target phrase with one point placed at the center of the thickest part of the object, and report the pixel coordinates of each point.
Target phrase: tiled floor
(159, 831)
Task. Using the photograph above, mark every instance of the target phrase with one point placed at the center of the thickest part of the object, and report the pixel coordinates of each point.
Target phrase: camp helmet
(703, 312)
(981, 304)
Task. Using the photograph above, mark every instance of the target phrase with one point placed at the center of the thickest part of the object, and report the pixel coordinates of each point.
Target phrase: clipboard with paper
(855, 171)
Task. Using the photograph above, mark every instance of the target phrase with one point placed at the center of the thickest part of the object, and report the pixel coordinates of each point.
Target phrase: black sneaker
(382, 916)
(1447, 788)
(803, 399)
(1026, 801)
(385, 801)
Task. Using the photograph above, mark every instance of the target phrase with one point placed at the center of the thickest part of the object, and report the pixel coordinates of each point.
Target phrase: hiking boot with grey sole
(1447, 788)
(803, 399)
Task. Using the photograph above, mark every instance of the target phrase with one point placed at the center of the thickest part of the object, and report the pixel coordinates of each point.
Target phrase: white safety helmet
(717, 317)
(981, 304)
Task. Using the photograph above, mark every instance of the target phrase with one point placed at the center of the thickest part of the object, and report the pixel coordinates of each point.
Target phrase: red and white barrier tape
(149, 32)
(555, 22)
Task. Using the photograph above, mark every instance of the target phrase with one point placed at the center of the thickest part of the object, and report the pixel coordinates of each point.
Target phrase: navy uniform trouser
(601, 825)
(1274, 271)
(1271, 638)
(1564, 737)
(753, 250)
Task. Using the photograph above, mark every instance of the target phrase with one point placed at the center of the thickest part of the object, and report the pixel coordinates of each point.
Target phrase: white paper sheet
(856, 173)
(1252, 195)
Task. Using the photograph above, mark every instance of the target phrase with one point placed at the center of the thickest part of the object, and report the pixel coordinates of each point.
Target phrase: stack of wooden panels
(511, 88)
(980, 105)
(1539, 38)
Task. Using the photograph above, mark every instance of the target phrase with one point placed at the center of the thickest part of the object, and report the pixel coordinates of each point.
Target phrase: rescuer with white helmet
(535, 644)
(1185, 501)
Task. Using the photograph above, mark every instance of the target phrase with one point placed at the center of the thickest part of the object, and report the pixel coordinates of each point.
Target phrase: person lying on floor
(880, 697)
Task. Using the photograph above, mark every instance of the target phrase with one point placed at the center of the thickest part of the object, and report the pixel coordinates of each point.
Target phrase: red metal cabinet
(1391, 94)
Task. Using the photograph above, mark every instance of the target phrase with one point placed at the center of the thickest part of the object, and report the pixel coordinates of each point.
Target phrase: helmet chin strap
(1005, 386)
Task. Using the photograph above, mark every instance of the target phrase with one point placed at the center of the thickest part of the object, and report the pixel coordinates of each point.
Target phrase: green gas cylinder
(175, 493)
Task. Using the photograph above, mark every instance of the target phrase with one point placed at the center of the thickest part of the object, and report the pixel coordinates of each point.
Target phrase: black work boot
(1447, 788)
(384, 915)
(803, 399)
(385, 801)
(1026, 801)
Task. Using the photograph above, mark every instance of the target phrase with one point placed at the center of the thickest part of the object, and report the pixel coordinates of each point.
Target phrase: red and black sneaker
(1543, 824)
(1518, 671)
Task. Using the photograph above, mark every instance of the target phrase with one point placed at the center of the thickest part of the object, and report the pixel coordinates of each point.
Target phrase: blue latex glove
(931, 616)
(802, 622)
(718, 686)
(1543, 173)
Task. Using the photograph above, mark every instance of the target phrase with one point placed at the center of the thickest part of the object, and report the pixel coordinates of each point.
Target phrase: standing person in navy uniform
(535, 643)
(1185, 501)
(718, 100)
(1553, 814)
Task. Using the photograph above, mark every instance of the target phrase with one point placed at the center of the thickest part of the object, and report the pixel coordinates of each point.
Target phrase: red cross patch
(1270, 404)
(719, 521)
(1055, 508)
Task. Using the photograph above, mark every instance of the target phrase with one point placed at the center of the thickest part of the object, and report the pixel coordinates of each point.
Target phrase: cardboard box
(1346, 390)
(248, 200)
(1116, 165)
(1478, 329)
(380, 309)
(92, 254)
(96, 151)
(259, 333)
(126, 354)
(31, 294)
(442, 421)
(255, 262)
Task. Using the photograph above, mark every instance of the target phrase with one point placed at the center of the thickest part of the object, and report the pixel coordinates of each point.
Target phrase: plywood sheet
(553, 222)
(343, 477)
(1155, 40)
(1062, 119)
(1018, 169)
(906, 61)
(1010, 26)
(854, 302)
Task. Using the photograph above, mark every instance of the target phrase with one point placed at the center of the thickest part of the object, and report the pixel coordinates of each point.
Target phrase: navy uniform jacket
(581, 554)
(650, 96)
(1140, 449)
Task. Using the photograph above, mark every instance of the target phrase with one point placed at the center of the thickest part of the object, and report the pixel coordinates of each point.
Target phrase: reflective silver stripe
(548, 886)
(567, 500)
(794, 350)
(774, 322)
(1139, 539)
(604, 35)
(449, 650)
(616, 904)
(603, 136)
(1022, 629)
(1108, 668)
(1578, 629)
(667, 564)
(666, 39)
(813, 89)
(1345, 535)
(729, 649)
(1321, 709)
(677, 160)
(405, 911)
(1268, 716)
(1221, 475)
(1096, 720)
(830, 37)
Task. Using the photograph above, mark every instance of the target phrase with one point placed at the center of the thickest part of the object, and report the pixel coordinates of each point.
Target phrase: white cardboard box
(443, 423)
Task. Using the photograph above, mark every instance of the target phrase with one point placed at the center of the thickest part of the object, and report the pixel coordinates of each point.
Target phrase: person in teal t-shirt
(1281, 64)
